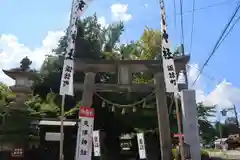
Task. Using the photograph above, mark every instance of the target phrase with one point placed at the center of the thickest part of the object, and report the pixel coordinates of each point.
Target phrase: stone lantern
(23, 77)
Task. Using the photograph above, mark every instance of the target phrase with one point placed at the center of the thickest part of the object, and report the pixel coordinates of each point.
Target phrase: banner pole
(61, 155)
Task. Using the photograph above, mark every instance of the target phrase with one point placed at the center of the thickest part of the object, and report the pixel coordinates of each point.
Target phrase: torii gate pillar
(89, 84)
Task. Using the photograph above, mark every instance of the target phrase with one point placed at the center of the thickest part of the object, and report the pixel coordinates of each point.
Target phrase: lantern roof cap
(19, 72)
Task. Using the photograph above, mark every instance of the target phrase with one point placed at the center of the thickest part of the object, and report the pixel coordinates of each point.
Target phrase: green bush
(204, 155)
(176, 155)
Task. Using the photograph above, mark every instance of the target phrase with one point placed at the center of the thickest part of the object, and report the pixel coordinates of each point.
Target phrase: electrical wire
(175, 17)
(173, 97)
(182, 29)
(175, 14)
(210, 6)
(193, 19)
(218, 41)
(229, 31)
(207, 76)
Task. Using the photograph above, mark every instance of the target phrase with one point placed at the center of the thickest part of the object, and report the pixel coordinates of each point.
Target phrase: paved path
(229, 155)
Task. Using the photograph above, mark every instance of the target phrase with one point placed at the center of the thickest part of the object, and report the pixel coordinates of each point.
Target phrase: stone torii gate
(125, 69)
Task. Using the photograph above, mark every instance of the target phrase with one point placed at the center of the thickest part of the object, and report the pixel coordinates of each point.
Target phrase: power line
(205, 75)
(217, 44)
(175, 13)
(210, 6)
(193, 19)
(182, 29)
(175, 17)
(229, 31)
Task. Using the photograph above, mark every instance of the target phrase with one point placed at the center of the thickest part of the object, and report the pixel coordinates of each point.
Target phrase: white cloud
(120, 12)
(12, 51)
(224, 95)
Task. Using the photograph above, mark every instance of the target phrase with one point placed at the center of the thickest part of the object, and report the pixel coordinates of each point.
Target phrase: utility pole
(236, 115)
(224, 112)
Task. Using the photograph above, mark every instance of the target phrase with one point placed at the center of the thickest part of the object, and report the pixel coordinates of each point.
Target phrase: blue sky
(31, 20)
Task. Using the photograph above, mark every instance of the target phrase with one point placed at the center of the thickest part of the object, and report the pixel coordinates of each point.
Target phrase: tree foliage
(231, 125)
(150, 44)
(206, 129)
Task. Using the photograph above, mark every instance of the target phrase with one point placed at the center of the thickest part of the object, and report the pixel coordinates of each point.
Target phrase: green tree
(231, 126)
(112, 36)
(6, 96)
(150, 44)
(16, 120)
(205, 112)
(14, 123)
(207, 130)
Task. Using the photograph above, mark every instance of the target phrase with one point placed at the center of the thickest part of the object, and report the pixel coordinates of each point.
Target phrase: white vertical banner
(169, 71)
(96, 143)
(141, 146)
(67, 78)
(78, 8)
(85, 134)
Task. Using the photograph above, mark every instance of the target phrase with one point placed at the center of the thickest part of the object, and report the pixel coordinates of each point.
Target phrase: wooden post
(89, 84)
(163, 117)
(236, 115)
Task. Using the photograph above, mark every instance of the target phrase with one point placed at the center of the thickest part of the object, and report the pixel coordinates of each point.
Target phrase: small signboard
(52, 136)
(17, 153)
(141, 146)
(178, 135)
(96, 143)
